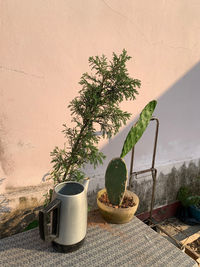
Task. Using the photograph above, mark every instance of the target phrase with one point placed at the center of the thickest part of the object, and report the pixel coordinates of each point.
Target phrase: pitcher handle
(54, 207)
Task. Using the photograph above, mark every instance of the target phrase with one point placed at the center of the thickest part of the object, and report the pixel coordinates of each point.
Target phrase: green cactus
(116, 173)
(116, 180)
(138, 129)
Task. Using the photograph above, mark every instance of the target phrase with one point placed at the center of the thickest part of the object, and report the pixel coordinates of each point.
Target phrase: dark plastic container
(195, 212)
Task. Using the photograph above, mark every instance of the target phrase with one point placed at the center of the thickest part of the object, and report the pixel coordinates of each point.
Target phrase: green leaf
(138, 129)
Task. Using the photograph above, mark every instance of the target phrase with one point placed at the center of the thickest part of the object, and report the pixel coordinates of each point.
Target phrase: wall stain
(167, 186)
(5, 163)
(92, 198)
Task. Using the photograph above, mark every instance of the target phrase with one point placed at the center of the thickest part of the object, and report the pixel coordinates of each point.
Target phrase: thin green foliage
(95, 109)
(186, 197)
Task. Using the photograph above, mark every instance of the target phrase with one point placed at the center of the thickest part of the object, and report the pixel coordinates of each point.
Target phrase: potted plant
(189, 212)
(116, 203)
(96, 109)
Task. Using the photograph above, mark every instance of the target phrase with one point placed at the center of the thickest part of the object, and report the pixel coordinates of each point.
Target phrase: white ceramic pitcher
(64, 220)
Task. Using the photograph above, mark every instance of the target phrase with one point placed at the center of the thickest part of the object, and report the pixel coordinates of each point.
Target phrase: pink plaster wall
(44, 48)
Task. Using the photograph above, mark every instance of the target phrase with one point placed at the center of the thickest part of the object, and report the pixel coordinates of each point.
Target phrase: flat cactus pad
(116, 180)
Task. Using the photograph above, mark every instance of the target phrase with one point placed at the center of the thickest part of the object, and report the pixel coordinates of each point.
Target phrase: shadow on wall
(167, 186)
(178, 111)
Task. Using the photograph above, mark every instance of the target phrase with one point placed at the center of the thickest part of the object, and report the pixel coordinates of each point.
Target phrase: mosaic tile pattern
(131, 244)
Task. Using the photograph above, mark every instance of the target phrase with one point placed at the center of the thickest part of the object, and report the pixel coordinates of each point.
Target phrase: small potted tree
(116, 203)
(96, 109)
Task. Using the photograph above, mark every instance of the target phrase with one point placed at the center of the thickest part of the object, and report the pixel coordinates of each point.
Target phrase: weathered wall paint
(45, 46)
(167, 185)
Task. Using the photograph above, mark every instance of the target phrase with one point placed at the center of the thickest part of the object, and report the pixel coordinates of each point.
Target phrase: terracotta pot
(117, 215)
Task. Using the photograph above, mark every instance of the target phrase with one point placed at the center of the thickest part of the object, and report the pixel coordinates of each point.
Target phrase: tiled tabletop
(130, 244)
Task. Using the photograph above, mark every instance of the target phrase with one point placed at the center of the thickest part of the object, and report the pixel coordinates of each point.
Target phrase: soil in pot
(127, 201)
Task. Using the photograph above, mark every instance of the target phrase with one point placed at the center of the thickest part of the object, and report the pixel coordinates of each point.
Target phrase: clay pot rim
(119, 209)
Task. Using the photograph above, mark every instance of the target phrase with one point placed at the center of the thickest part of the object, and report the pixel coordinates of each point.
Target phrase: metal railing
(153, 170)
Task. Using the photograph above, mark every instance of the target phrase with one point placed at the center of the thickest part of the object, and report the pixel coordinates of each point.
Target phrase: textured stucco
(45, 46)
